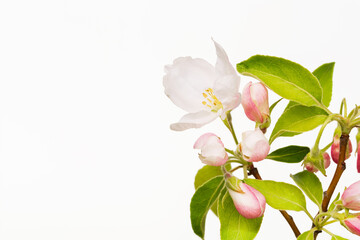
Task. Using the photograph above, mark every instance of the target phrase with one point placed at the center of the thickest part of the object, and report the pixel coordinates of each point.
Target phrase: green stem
(236, 168)
(321, 215)
(309, 215)
(328, 232)
(327, 147)
(228, 123)
(343, 106)
(233, 161)
(330, 222)
(245, 168)
(230, 151)
(327, 121)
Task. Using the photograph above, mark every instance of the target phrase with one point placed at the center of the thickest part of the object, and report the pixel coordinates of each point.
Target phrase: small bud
(212, 150)
(248, 201)
(335, 149)
(254, 99)
(351, 197)
(254, 146)
(311, 167)
(353, 224)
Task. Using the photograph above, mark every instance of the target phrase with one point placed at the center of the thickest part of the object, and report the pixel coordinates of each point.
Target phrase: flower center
(211, 100)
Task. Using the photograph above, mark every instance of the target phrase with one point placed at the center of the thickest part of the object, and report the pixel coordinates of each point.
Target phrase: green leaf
(324, 74)
(279, 195)
(297, 119)
(308, 235)
(288, 79)
(289, 154)
(205, 174)
(233, 225)
(274, 105)
(335, 237)
(203, 199)
(332, 205)
(310, 184)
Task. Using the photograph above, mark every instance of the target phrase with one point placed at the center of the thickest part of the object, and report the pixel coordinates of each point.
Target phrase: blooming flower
(212, 149)
(353, 225)
(254, 146)
(255, 102)
(335, 149)
(199, 88)
(248, 201)
(311, 168)
(351, 197)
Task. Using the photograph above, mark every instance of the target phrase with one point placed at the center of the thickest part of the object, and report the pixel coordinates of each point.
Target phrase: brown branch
(340, 168)
(253, 171)
(344, 139)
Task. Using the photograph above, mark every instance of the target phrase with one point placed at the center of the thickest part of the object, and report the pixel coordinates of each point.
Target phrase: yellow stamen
(214, 103)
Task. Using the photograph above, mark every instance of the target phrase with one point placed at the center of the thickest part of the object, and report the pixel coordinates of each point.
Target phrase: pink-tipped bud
(353, 225)
(351, 197)
(212, 149)
(335, 149)
(254, 99)
(248, 201)
(254, 146)
(311, 168)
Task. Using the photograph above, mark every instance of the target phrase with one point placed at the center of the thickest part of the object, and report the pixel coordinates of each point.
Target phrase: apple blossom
(255, 102)
(351, 197)
(212, 149)
(254, 146)
(248, 201)
(335, 149)
(204, 91)
(353, 225)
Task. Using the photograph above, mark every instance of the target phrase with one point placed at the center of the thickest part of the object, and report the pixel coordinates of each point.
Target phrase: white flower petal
(194, 120)
(186, 80)
(223, 66)
(225, 71)
(227, 82)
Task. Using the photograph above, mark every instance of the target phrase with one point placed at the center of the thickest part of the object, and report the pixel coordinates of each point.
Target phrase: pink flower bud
(248, 201)
(311, 168)
(335, 149)
(254, 99)
(353, 225)
(212, 149)
(351, 196)
(254, 146)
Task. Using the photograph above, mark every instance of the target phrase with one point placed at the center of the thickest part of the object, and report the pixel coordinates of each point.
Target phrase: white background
(85, 146)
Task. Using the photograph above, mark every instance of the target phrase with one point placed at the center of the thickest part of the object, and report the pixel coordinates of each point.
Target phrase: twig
(253, 171)
(344, 139)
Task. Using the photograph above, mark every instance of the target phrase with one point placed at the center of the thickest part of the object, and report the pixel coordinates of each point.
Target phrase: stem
(343, 106)
(236, 168)
(330, 222)
(309, 215)
(245, 171)
(253, 171)
(230, 151)
(344, 139)
(328, 232)
(327, 121)
(228, 123)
